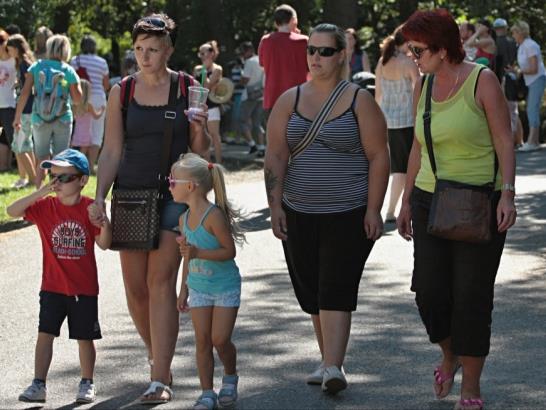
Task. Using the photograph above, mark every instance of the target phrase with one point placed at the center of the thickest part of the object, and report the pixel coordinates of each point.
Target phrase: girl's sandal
(207, 401)
(469, 404)
(440, 378)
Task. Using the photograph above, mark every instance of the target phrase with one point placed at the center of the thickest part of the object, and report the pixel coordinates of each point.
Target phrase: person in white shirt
(97, 72)
(252, 100)
(531, 65)
(8, 75)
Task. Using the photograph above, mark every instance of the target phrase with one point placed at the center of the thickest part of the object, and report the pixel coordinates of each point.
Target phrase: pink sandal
(440, 378)
(469, 404)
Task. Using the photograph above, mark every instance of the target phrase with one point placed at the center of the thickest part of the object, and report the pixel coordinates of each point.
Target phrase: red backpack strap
(126, 97)
(186, 81)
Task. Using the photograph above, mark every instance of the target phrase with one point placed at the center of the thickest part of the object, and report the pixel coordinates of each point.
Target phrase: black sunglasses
(64, 178)
(322, 51)
(154, 21)
(417, 51)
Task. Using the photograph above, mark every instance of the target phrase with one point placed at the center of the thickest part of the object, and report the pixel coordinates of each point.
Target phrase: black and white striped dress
(331, 175)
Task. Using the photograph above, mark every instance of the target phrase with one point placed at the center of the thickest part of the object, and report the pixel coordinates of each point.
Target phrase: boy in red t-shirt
(69, 279)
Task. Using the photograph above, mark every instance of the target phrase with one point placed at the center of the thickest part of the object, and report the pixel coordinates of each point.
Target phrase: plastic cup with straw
(197, 96)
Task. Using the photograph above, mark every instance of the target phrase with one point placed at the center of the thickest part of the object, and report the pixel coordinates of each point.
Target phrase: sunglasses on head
(155, 21)
(174, 181)
(64, 178)
(322, 51)
(417, 51)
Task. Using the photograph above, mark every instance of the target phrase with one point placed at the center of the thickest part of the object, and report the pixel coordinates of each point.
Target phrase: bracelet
(508, 187)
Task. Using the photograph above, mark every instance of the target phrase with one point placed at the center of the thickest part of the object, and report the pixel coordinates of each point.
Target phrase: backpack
(51, 92)
(82, 71)
(128, 84)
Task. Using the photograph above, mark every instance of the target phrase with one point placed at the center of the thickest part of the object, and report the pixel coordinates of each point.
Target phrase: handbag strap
(168, 130)
(428, 135)
(320, 119)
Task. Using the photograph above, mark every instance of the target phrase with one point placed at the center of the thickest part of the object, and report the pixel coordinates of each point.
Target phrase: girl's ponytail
(220, 199)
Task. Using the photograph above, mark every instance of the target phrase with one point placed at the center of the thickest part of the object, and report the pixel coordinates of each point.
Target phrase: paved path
(389, 363)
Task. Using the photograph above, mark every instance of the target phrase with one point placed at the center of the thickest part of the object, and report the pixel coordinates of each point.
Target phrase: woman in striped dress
(325, 204)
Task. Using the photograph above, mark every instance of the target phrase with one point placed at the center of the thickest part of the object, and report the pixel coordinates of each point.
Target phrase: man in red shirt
(283, 56)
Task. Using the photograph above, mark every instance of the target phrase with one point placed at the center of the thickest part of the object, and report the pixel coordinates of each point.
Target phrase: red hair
(437, 29)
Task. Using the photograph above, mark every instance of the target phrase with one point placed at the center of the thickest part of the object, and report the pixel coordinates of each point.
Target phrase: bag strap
(427, 124)
(126, 97)
(320, 119)
(168, 130)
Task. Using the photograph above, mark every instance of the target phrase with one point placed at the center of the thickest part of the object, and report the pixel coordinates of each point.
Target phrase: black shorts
(325, 254)
(400, 141)
(82, 313)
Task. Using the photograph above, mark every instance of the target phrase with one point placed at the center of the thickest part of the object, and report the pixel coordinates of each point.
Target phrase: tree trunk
(343, 13)
(407, 8)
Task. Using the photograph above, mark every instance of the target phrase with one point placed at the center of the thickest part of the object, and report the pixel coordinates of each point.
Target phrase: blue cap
(68, 158)
(498, 23)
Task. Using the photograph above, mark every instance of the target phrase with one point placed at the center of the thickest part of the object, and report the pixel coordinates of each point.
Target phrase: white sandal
(159, 397)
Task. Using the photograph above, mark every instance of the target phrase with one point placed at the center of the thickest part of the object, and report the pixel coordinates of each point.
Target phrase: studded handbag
(135, 212)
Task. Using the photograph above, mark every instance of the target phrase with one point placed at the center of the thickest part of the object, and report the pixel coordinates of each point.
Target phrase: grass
(8, 195)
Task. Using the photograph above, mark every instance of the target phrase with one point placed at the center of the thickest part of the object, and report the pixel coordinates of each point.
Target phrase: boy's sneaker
(36, 392)
(252, 149)
(317, 376)
(334, 380)
(86, 392)
(261, 153)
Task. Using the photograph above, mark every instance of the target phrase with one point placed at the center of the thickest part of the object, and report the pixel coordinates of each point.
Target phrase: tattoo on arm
(270, 184)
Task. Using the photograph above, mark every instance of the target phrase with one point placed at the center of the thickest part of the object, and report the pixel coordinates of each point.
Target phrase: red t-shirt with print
(68, 246)
(284, 59)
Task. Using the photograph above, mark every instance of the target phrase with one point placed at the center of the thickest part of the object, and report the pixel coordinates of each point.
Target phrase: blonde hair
(58, 48)
(211, 177)
(522, 27)
(83, 107)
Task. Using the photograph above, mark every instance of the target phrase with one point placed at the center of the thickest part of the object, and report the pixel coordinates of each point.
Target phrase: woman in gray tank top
(325, 203)
(150, 277)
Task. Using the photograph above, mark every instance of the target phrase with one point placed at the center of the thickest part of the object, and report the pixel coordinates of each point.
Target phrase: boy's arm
(99, 218)
(18, 208)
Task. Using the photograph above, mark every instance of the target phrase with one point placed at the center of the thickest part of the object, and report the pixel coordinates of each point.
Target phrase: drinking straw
(203, 73)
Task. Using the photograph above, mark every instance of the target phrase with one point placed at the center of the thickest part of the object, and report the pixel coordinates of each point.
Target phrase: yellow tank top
(463, 147)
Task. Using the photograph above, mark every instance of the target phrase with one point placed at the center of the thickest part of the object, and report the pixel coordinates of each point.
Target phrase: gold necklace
(454, 85)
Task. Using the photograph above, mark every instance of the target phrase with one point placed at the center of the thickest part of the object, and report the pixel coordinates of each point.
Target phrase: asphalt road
(389, 363)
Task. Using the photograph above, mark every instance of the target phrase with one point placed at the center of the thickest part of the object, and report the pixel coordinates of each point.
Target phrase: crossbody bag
(135, 212)
(320, 119)
(459, 211)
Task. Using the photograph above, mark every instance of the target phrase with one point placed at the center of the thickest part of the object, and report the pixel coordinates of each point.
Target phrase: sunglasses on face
(64, 178)
(322, 51)
(417, 51)
(205, 52)
(173, 181)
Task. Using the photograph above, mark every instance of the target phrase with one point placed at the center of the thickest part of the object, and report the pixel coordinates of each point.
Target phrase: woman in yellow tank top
(454, 280)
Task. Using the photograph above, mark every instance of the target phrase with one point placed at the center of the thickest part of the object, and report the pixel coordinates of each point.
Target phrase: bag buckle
(426, 116)
(170, 115)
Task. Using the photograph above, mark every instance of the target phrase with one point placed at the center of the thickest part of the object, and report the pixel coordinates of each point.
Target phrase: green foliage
(232, 21)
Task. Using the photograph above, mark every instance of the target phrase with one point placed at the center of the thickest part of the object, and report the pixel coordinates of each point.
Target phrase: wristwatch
(508, 187)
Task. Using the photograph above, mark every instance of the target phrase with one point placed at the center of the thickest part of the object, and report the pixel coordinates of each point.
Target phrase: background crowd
(239, 116)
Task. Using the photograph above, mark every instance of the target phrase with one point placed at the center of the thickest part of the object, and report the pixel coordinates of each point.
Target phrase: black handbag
(459, 211)
(135, 212)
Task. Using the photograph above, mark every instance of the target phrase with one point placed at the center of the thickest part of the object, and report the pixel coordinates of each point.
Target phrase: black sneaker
(252, 149)
(261, 153)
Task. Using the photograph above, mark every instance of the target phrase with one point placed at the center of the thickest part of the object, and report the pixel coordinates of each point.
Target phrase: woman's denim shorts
(170, 215)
